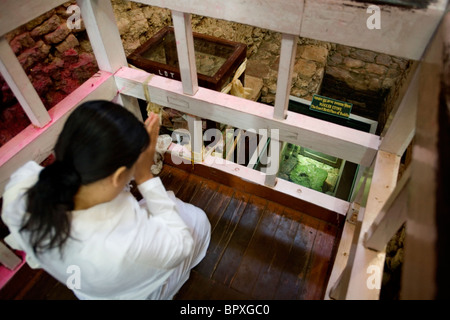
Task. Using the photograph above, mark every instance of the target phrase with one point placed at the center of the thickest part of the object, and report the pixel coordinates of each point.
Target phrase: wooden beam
(342, 142)
(129, 103)
(346, 22)
(274, 162)
(258, 151)
(338, 289)
(101, 27)
(372, 123)
(340, 274)
(367, 269)
(284, 79)
(391, 217)
(37, 143)
(21, 86)
(278, 15)
(282, 188)
(419, 271)
(14, 13)
(340, 263)
(186, 52)
(337, 21)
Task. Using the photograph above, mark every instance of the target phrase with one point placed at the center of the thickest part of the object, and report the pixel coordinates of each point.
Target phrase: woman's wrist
(144, 177)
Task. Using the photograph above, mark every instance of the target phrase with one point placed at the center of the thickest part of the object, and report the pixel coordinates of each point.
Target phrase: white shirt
(118, 249)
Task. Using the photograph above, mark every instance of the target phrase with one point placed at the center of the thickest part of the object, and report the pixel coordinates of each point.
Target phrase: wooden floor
(259, 249)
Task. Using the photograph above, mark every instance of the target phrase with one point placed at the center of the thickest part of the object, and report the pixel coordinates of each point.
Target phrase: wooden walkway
(259, 249)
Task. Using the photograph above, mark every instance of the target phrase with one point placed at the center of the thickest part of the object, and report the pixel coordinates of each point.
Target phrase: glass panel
(312, 169)
(209, 55)
(309, 168)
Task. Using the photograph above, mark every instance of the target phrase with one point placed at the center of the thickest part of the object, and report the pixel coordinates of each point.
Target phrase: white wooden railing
(338, 21)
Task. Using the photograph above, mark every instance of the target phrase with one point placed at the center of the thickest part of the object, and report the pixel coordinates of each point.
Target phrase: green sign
(330, 106)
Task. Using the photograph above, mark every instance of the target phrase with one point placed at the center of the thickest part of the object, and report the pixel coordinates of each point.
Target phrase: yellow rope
(151, 107)
(235, 87)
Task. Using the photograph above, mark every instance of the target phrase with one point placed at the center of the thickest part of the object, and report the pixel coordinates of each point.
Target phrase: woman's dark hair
(98, 138)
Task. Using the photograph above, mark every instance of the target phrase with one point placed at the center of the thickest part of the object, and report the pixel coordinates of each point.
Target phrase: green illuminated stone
(309, 176)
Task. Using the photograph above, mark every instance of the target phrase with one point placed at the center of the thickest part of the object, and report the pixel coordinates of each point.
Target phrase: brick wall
(56, 59)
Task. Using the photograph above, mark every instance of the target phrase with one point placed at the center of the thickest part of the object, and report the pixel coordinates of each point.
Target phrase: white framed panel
(345, 143)
(278, 15)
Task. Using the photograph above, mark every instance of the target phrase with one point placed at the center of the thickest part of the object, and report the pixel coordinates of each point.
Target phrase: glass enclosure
(309, 168)
(209, 56)
(313, 169)
(216, 59)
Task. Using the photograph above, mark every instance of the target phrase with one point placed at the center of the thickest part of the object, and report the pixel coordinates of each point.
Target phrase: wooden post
(286, 66)
(342, 142)
(337, 21)
(21, 86)
(101, 26)
(347, 23)
(428, 203)
(342, 267)
(273, 167)
(186, 52)
(130, 104)
(349, 244)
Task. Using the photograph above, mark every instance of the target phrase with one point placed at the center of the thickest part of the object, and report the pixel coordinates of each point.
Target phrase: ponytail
(98, 138)
(50, 200)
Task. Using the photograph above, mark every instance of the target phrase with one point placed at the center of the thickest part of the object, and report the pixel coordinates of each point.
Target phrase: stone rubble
(365, 78)
(56, 59)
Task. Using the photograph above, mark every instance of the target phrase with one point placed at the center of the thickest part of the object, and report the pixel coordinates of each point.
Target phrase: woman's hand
(146, 159)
